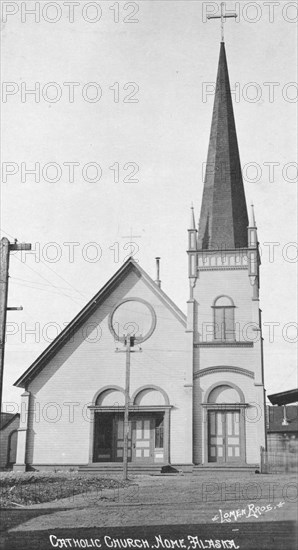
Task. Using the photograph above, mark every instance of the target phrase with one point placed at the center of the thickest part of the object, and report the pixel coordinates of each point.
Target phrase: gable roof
(91, 306)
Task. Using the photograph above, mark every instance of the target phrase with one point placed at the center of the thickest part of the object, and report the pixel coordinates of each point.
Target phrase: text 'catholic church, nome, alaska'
(197, 388)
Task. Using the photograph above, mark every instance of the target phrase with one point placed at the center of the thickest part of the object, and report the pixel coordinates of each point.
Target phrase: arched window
(224, 393)
(224, 322)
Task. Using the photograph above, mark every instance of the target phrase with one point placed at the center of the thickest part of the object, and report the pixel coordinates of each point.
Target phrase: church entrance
(224, 436)
(145, 441)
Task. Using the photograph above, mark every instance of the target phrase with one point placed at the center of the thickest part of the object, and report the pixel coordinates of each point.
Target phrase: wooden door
(232, 436)
(216, 442)
(103, 437)
(119, 439)
(143, 439)
(224, 437)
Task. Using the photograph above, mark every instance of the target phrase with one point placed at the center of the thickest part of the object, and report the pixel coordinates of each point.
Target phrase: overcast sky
(146, 118)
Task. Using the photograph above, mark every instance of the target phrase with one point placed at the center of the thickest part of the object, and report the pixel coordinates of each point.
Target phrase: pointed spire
(223, 219)
(192, 218)
(252, 229)
(252, 220)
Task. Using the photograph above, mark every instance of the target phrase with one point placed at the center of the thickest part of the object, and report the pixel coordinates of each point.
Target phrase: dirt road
(256, 511)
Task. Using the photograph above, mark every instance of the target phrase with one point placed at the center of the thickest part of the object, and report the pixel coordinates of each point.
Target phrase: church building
(195, 391)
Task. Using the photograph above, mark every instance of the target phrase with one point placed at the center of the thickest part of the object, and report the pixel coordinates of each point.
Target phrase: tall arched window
(224, 321)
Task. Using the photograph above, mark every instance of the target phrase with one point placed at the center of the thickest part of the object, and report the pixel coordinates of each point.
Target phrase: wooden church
(196, 388)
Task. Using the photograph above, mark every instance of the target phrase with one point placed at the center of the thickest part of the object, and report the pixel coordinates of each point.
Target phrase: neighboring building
(197, 387)
(284, 397)
(282, 422)
(9, 424)
(282, 429)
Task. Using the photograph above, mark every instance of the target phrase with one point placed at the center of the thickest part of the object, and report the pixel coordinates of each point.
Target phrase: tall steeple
(223, 220)
(223, 313)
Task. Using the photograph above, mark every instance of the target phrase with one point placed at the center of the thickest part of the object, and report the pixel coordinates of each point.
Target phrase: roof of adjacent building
(223, 220)
(86, 312)
(283, 398)
(276, 416)
(6, 419)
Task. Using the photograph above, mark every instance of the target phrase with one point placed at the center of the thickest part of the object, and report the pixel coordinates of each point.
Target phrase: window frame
(225, 335)
(159, 434)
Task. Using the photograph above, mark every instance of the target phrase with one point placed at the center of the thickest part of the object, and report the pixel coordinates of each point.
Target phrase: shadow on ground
(11, 517)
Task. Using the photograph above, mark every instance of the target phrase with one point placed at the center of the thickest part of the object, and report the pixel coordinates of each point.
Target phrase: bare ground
(168, 500)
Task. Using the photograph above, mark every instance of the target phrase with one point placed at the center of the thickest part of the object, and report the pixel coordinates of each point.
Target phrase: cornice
(213, 344)
(223, 268)
(224, 368)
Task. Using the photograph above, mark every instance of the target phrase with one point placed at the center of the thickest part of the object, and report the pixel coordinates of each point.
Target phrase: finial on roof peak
(252, 218)
(192, 218)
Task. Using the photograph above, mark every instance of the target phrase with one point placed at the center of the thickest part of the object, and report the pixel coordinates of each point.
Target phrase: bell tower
(223, 306)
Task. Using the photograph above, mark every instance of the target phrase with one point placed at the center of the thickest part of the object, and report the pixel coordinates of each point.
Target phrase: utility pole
(129, 342)
(126, 409)
(5, 248)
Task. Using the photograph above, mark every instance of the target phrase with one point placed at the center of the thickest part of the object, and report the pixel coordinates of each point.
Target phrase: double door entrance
(225, 436)
(140, 440)
(145, 438)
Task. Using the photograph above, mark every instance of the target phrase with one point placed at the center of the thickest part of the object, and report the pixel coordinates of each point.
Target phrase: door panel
(143, 432)
(232, 435)
(224, 439)
(119, 439)
(216, 449)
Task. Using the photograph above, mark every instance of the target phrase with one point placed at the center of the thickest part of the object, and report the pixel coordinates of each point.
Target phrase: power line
(51, 284)
(53, 271)
(38, 289)
(63, 279)
(30, 281)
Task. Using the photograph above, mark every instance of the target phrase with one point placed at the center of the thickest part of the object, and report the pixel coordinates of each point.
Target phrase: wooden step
(137, 469)
(225, 468)
(116, 468)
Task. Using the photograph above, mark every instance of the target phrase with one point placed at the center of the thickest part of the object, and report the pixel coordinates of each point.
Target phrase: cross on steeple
(222, 16)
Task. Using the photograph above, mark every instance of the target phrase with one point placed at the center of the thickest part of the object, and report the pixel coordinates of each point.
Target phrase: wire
(63, 279)
(44, 290)
(42, 277)
(30, 281)
(145, 313)
(51, 269)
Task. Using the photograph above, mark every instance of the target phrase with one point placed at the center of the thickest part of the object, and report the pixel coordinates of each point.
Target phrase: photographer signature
(250, 510)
